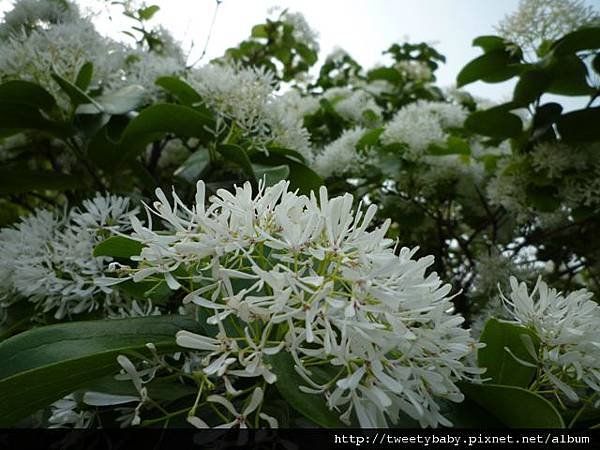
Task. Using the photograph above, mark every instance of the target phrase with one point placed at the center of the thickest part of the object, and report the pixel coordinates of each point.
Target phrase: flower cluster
(48, 258)
(341, 156)
(420, 124)
(278, 272)
(356, 106)
(568, 329)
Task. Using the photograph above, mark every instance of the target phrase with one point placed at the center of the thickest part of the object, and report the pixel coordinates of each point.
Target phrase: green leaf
(26, 93)
(76, 95)
(237, 155)
(531, 86)
(43, 365)
(309, 55)
(259, 31)
(183, 92)
(369, 139)
(543, 198)
(301, 177)
(192, 168)
(118, 247)
(154, 121)
(569, 76)
(515, 407)
(495, 122)
(580, 125)
(385, 73)
(454, 146)
(21, 117)
(494, 66)
(311, 406)
(501, 367)
(545, 116)
(582, 39)
(271, 174)
(84, 77)
(489, 43)
(15, 180)
(120, 101)
(148, 12)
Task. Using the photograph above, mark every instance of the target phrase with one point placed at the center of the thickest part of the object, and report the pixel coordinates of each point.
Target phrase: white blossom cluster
(414, 70)
(281, 272)
(246, 97)
(420, 124)
(302, 31)
(357, 106)
(568, 328)
(341, 156)
(64, 48)
(48, 258)
(31, 14)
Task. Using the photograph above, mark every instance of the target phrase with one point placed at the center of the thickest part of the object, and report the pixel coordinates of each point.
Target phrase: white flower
(554, 158)
(420, 124)
(341, 156)
(66, 413)
(64, 48)
(277, 262)
(568, 328)
(239, 419)
(415, 70)
(49, 259)
(31, 14)
(357, 105)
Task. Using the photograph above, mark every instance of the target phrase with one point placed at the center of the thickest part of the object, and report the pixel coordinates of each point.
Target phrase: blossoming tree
(258, 242)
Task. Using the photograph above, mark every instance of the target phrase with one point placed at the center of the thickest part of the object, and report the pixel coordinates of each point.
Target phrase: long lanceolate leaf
(43, 365)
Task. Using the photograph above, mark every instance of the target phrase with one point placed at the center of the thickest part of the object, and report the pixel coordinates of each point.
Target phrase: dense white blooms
(31, 14)
(65, 48)
(144, 67)
(295, 105)
(338, 293)
(302, 31)
(246, 97)
(341, 156)
(568, 328)
(239, 94)
(357, 105)
(66, 413)
(48, 258)
(554, 158)
(420, 124)
(536, 21)
(415, 70)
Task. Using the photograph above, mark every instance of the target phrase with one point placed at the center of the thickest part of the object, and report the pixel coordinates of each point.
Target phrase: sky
(364, 28)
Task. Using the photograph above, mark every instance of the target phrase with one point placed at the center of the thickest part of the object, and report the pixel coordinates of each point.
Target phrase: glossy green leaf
(311, 406)
(494, 66)
(515, 407)
(237, 155)
(148, 12)
(385, 73)
(582, 39)
(43, 365)
(77, 95)
(369, 139)
(14, 116)
(531, 86)
(183, 92)
(118, 247)
(489, 43)
(580, 125)
(26, 93)
(84, 77)
(543, 198)
(569, 76)
(120, 101)
(15, 180)
(271, 174)
(501, 366)
(194, 167)
(495, 122)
